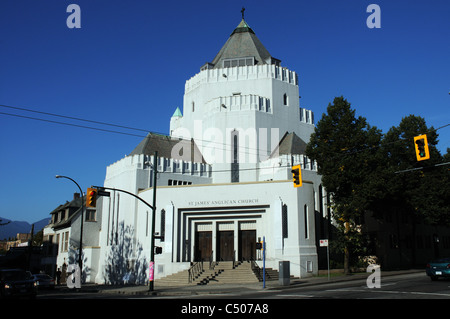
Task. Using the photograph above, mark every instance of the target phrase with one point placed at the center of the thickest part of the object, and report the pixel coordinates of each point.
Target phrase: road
(405, 286)
(408, 286)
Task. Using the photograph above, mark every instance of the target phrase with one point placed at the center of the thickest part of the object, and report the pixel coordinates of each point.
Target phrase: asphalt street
(392, 285)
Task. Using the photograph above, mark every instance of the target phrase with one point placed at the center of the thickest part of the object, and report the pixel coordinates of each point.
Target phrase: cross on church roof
(242, 11)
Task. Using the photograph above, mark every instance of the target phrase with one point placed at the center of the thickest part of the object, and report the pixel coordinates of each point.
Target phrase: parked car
(43, 281)
(438, 268)
(16, 283)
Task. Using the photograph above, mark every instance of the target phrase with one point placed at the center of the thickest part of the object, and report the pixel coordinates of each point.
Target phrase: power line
(248, 149)
(73, 118)
(421, 168)
(131, 134)
(240, 148)
(69, 124)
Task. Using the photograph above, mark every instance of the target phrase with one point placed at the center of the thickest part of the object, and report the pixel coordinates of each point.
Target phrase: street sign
(323, 243)
(103, 193)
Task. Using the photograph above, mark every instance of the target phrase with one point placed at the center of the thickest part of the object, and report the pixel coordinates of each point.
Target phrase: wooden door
(247, 244)
(225, 245)
(203, 245)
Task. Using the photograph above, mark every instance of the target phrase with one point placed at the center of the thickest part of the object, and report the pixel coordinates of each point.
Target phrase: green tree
(419, 189)
(346, 150)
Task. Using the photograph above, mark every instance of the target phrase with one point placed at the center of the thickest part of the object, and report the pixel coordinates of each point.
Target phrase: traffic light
(91, 197)
(297, 175)
(259, 245)
(421, 146)
(158, 250)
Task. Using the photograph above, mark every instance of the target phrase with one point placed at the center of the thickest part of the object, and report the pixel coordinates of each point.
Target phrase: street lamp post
(80, 264)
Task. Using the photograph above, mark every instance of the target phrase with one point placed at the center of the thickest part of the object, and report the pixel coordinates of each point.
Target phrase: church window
(163, 225)
(284, 221)
(235, 158)
(305, 211)
(285, 99)
(193, 106)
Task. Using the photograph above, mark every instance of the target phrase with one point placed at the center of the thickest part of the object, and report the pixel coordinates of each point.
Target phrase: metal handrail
(195, 270)
(256, 269)
(212, 263)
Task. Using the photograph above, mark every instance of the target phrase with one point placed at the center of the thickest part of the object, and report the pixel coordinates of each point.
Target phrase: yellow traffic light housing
(297, 175)
(421, 147)
(91, 197)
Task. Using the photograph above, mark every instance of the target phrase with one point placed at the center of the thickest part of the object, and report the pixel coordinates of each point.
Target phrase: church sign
(223, 202)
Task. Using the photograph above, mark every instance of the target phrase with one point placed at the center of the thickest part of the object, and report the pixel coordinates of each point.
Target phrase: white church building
(224, 178)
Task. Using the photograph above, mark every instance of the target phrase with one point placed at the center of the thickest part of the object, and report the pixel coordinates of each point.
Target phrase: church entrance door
(225, 245)
(203, 245)
(247, 244)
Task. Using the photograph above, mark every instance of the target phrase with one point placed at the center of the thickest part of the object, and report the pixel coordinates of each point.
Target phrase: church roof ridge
(165, 144)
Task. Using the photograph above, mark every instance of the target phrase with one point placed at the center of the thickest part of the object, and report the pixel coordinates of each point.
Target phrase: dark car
(43, 281)
(16, 283)
(438, 268)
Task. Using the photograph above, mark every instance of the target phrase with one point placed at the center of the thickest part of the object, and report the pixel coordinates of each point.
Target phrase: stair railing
(256, 269)
(212, 263)
(195, 270)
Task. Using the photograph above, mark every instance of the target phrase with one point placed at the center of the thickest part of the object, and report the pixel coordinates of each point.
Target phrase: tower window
(229, 63)
(285, 99)
(193, 106)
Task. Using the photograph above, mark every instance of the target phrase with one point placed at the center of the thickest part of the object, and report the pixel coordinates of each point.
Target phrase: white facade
(237, 190)
(261, 102)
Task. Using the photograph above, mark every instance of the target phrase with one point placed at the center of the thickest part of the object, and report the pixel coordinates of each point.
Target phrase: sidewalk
(228, 288)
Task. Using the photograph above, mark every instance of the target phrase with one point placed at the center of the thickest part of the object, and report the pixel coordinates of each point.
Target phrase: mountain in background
(10, 230)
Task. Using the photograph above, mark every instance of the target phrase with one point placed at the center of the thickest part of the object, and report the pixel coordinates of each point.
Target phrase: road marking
(296, 296)
(391, 292)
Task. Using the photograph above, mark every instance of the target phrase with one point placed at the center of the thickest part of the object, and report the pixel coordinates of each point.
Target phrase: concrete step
(223, 272)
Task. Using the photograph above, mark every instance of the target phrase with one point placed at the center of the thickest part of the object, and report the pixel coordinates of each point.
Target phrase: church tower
(239, 106)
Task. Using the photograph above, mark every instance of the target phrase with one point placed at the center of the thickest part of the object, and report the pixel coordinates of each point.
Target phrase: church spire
(242, 48)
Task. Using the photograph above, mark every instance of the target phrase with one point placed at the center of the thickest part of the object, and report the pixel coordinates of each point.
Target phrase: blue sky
(129, 61)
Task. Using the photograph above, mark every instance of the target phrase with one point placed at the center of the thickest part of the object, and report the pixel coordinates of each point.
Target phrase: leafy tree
(346, 150)
(419, 189)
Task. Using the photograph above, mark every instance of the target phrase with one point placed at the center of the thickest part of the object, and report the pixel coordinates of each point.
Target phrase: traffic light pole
(153, 207)
(152, 246)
